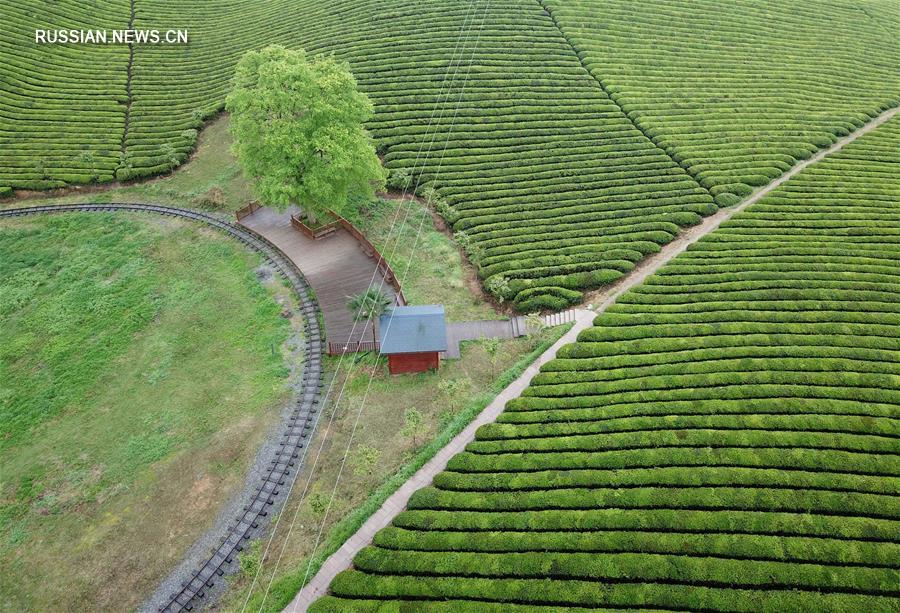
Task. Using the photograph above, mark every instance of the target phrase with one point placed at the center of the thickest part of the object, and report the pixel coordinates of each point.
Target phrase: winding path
(342, 559)
(298, 426)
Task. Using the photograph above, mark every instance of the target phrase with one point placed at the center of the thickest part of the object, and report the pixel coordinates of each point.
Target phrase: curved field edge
(725, 437)
(104, 322)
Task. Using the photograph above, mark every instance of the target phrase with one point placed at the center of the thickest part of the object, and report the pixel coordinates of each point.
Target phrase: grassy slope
(382, 420)
(118, 444)
(724, 438)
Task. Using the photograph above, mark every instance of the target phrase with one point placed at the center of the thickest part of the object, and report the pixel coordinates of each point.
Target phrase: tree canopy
(298, 131)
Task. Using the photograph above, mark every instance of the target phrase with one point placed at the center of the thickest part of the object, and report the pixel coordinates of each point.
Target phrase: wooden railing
(314, 233)
(365, 244)
(247, 210)
(352, 347)
(380, 262)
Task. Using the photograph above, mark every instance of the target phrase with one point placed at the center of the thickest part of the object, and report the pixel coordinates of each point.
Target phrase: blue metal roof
(412, 329)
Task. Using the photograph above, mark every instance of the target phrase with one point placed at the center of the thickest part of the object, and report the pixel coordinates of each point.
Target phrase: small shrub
(365, 459)
(251, 559)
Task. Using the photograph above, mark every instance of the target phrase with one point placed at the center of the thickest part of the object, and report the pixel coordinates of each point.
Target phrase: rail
(298, 425)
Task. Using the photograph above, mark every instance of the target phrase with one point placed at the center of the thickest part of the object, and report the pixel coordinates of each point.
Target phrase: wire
(406, 271)
(450, 67)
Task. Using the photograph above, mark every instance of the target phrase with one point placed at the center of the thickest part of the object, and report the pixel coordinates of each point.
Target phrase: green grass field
(134, 390)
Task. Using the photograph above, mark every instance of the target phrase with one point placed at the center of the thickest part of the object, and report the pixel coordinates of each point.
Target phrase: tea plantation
(724, 438)
(503, 106)
(758, 85)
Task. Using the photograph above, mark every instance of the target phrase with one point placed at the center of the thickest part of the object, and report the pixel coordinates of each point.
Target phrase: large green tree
(297, 124)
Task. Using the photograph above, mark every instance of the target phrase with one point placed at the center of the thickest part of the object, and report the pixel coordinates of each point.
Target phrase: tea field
(503, 106)
(725, 437)
(760, 85)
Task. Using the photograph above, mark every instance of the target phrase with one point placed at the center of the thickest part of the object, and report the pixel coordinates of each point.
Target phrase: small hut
(412, 337)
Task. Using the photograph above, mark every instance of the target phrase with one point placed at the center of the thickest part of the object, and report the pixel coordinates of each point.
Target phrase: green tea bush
(738, 93)
(724, 438)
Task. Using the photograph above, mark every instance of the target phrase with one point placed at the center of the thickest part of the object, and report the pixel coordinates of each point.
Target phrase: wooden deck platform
(335, 266)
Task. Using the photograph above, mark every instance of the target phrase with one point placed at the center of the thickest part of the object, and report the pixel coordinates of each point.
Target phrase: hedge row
(524, 411)
(524, 147)
(689, 521)
(677, 476)
(556, 593)
(725, 438)
(724, 499)
(621, 567)
(682, 455)
(727, 545)
(859, 423)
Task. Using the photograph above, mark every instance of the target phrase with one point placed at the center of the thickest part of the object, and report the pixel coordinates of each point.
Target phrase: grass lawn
(424, 257)
(134, 392)
(379, 449)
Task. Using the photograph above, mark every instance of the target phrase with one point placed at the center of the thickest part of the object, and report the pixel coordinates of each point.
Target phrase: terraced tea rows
(555, 187)
(724, 438)
(524, 145)
(738, 91)
(61, 107)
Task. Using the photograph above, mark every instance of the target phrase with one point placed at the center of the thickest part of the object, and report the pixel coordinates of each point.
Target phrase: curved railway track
(297, 428)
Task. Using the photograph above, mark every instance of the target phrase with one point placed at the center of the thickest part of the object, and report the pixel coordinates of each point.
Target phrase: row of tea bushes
(486, 102)
(738, 91)
(704, 446)
(62, 107)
